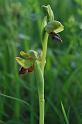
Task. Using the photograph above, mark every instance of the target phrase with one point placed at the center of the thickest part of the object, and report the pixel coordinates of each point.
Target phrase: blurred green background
(20, 29)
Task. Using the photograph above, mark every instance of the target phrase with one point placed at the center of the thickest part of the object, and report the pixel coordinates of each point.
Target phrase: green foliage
(64, 113)
(20, 30)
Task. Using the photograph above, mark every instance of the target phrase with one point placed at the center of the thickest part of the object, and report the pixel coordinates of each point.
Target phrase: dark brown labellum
(23, 70)
(31, 69)
(26, 70)
(55, 36)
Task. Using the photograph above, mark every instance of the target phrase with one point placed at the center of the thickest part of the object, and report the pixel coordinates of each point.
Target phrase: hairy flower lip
(26, 70)
(55, 36)
(23, 70)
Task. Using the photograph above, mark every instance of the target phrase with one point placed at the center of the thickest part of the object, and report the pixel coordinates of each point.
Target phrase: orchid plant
(35, 61)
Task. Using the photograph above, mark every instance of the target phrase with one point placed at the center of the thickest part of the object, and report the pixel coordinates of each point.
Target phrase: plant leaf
(44, 23)
(54, 26)
(64, 113)
(24, 63)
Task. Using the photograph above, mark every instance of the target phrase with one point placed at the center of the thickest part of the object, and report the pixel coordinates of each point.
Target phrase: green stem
(40, 83)
(41, 105)
(44, 45)
(39, 71)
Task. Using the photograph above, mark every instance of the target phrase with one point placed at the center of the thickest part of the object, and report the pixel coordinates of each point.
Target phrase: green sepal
(24, 62)
(30, 54)
(24, 54)
(49, 11)
(54, 26)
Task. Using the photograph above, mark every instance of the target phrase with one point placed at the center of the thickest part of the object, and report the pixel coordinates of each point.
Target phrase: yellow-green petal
(24, 63)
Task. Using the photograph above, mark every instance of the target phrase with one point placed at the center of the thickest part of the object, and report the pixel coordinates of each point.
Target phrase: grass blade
(64, 113)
